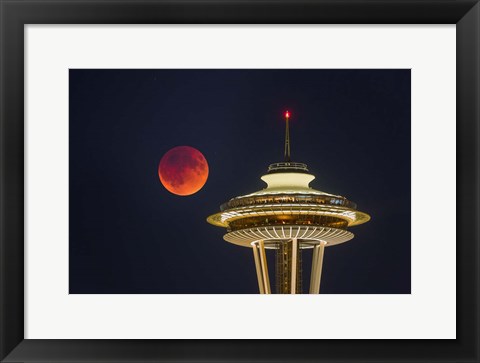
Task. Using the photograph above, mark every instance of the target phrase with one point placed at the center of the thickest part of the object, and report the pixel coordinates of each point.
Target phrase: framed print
(165, 165)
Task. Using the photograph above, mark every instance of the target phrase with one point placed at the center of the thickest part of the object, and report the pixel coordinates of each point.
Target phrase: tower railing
(287, 165)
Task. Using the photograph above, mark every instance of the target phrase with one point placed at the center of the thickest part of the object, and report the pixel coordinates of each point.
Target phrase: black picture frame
(15, 14)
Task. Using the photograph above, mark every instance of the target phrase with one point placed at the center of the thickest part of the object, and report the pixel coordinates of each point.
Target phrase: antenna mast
(287, 137)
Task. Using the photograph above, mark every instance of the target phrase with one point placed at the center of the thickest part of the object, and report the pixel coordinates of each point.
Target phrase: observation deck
(288, 208)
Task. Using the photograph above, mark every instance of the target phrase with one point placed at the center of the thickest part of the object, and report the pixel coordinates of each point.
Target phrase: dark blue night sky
(128, 234)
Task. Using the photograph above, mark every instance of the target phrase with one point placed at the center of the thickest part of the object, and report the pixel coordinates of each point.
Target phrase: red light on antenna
(287, 114)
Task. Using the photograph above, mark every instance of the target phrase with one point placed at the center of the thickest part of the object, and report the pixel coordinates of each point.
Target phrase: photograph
(165, 165)
(239, 181)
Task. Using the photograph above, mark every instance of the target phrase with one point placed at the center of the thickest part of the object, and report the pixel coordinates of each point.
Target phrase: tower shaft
(288, 267)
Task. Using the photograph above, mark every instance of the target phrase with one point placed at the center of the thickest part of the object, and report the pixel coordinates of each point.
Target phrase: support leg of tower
(313, 273)
(264, 266)
(293, 278)
(317, 264)
(258, 268)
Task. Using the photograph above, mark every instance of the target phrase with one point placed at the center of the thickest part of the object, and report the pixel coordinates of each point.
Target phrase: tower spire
(287, 137)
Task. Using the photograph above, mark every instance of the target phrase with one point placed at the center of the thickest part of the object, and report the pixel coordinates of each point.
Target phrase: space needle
(289, 218)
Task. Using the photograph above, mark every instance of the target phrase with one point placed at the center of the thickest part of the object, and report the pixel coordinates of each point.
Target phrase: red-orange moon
(183, 170)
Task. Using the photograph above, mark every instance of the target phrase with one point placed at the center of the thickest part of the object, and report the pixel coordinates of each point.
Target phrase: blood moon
(183, 170)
